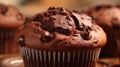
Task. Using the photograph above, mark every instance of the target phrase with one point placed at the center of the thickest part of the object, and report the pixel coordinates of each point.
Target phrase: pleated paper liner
(40, 58)
(7, 44)
(15, 60)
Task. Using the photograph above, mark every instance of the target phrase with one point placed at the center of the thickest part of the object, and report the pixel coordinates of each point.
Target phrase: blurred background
(31, 7)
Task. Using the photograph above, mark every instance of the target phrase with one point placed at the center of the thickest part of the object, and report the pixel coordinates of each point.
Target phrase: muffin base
(42, 58)
(7, 41)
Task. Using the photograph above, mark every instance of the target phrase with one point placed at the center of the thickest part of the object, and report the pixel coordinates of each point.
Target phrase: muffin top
(106, 15)
(61, 30)
(10, 17)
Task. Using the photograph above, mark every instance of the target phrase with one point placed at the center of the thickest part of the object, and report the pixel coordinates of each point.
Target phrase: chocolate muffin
(108, 17)
(10, 19)
(60, 38)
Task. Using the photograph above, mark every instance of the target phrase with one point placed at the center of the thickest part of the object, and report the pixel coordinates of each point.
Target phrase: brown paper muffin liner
(7, 41)
(42, 58)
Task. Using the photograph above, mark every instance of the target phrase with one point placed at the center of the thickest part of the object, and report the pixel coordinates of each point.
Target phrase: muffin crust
(61, 29)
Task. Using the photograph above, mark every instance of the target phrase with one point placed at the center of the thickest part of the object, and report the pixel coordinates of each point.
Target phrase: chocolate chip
(48, 25)
(75, 35)
(27, 20)
(47, 37)
(21, 41)
(69, 24)
(82, 18)
(36, 31)
(62, 31)
(37, 25)
(54, 12)
(76, 11)
(88, 18)
(95, 41)
(62, 13)
(88, 28)
(68, 18)
(84, 29)
(52, 19)
(85, 35)
(38, 18)
(62, 9)
(65, 43)
(51, 8)
(76, 21)
(85, 32)
(81, 27)
(46, 14)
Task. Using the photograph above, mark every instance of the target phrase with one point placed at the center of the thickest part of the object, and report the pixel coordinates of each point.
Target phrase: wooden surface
(5, 60)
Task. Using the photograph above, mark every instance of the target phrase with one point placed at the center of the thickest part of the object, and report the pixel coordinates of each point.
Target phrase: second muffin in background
(10, 19)
(60, 38)
(108, 17)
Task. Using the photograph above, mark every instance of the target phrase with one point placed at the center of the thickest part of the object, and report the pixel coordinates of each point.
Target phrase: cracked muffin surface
(61, 30)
